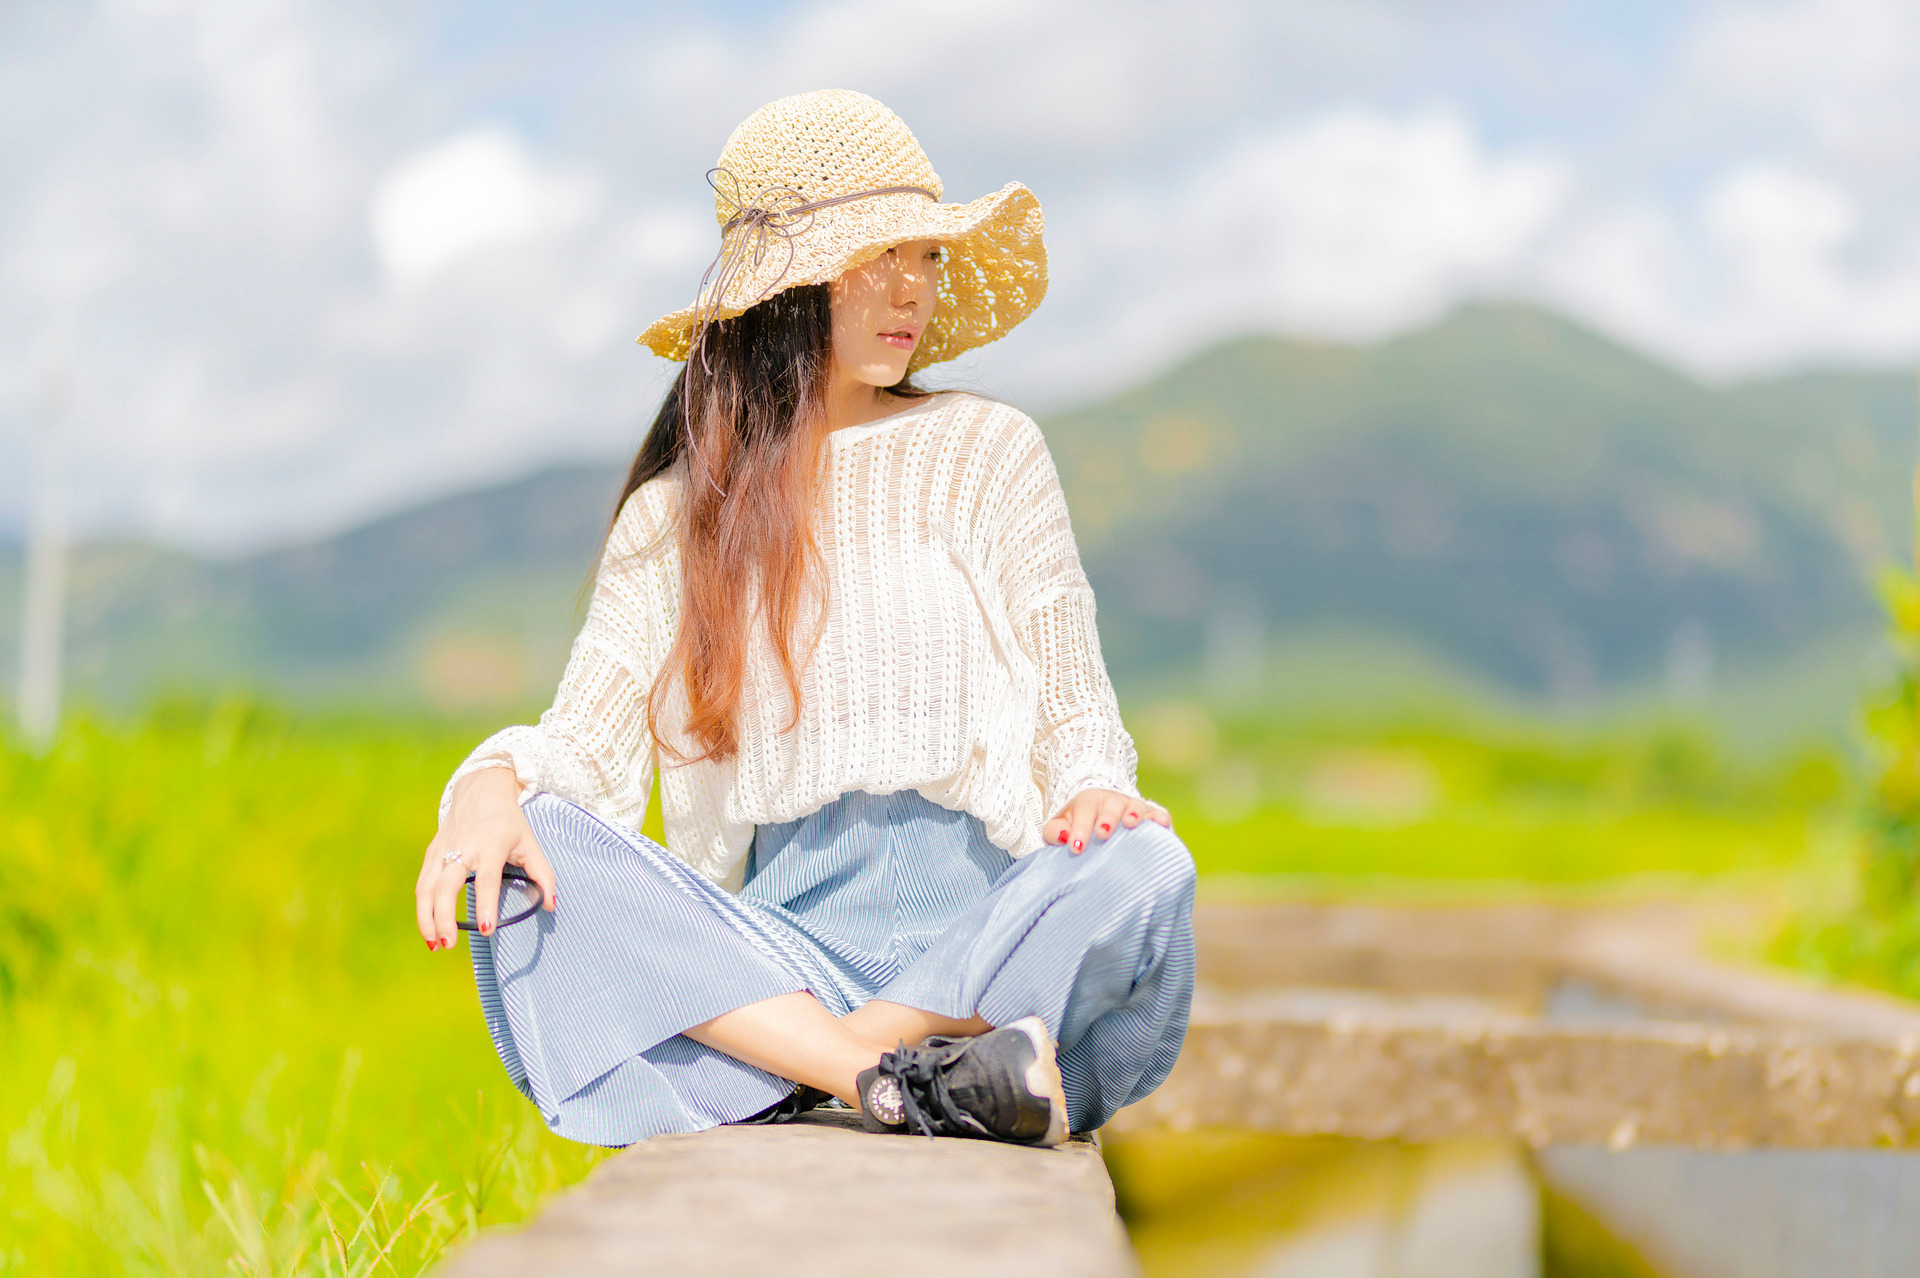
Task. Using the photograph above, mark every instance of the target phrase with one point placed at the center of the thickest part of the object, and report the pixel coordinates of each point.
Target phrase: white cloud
(1781, 238)
(242, 371)
(305, 284)
(1761, 272)
(1359, 224)
(276, 150)
(1068, 85)
(1352, 225)
(1626, 267)
(1767, 215)
(1848, 71)
(72, 245)
(473, 191)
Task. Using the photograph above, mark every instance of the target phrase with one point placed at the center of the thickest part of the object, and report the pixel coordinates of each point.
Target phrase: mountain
(1505, 496)
(1541, 506)
(469, 600)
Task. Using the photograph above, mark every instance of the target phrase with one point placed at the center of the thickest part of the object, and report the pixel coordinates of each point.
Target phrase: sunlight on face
(881, 308)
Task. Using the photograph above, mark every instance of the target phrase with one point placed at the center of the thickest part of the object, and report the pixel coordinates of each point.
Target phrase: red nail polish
(1063, 836)
(1105, 828)
(1076, 845)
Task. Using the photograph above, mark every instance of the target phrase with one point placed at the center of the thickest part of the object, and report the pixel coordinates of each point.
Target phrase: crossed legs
(794, 1036)
(1045, 918)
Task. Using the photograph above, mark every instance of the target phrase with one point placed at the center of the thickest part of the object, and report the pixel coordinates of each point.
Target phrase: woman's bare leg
(879, 1021)
(794, 1036)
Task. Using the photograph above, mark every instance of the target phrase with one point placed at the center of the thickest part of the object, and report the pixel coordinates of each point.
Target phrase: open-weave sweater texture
(956, 653)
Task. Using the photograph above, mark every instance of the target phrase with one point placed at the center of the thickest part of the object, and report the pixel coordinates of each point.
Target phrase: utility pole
(45, 612)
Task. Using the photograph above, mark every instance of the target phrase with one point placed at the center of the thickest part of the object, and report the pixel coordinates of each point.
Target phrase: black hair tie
(511, 874)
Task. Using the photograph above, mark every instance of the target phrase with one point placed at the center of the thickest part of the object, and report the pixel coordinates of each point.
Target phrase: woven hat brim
(994, 275)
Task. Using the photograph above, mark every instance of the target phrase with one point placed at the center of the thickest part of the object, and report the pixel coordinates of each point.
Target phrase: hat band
(763, 218)
(760, 220)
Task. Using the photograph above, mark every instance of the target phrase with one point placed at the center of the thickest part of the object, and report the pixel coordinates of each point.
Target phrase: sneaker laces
(925, 1099)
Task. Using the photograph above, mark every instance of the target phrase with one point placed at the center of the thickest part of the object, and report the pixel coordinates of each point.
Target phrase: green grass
(1866, 929)
(226, 1050)
(1473, 808)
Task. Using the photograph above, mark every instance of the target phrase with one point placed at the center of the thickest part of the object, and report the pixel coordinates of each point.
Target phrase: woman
(845, 619)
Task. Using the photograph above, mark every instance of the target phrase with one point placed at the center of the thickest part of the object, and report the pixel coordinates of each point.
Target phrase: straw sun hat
(812, 185)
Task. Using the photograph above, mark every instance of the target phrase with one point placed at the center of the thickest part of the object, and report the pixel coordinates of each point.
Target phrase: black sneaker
(797, 1102)
(1003, 1085)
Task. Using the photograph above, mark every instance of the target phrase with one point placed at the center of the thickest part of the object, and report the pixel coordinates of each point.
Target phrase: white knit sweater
(958, 656)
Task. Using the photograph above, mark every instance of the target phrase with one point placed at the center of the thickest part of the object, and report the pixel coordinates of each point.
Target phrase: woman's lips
(903, 338)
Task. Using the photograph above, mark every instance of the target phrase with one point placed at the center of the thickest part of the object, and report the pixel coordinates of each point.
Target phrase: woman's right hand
(486, 826)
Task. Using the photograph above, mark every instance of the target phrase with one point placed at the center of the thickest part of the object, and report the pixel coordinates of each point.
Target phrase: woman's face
(881, 309)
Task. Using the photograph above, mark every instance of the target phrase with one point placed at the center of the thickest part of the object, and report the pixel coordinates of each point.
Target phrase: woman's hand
(487, 828)
(1094, 812)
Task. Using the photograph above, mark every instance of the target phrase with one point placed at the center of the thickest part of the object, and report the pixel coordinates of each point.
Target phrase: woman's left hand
(1100, 812)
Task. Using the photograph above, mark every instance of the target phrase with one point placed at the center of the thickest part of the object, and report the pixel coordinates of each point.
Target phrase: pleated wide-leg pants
(873, 896)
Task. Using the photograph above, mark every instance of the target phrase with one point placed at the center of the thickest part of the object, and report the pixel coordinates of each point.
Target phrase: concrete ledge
(1413, 1073)
(1516, 956)
(821, 1197)
(1544, 1024)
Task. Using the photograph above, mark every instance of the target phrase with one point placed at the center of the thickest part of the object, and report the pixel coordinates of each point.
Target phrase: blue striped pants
(873, 896)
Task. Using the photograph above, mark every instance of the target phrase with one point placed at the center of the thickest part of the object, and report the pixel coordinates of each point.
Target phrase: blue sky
(305, 262)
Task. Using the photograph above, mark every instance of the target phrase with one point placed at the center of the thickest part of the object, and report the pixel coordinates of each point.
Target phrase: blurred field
(225, 1046)
(225, 1049)
(1481, 807)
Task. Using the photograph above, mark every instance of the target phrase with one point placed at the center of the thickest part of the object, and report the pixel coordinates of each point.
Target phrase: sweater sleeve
(592, 747)
(1079, 741)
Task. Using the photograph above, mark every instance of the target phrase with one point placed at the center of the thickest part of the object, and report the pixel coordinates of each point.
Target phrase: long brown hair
(745, 419)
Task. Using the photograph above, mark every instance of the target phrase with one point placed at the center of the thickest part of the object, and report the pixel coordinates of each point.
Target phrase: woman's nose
(916, 285)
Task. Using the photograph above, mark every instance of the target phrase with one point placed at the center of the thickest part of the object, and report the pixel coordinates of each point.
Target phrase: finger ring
(451, 857)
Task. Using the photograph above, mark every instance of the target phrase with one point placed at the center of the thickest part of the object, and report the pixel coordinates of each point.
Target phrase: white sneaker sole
(1043, 1077)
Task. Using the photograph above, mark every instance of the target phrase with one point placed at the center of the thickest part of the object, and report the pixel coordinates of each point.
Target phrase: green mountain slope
(1542, 507)
(1508, 499)
(466, 601)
